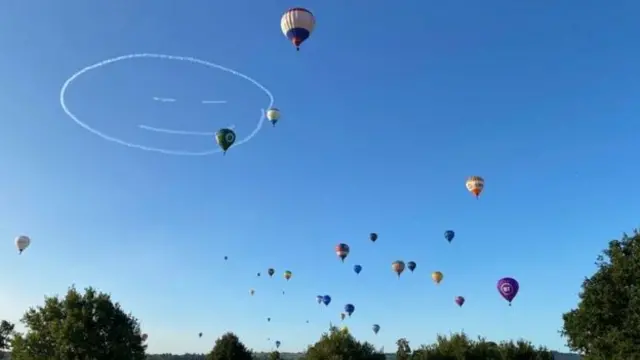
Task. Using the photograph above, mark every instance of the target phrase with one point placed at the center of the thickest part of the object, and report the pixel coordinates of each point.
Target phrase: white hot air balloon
(297, 24)
(22, 242)
(273, 115)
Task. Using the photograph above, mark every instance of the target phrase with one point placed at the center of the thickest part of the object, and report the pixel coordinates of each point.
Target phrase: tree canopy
(78, 326)
(606, 323)
(229, 347)
(340, 344)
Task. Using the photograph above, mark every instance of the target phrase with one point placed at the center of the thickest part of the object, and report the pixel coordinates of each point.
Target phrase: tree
(404, 351)
(606, 323)
(274, 355)
(78, 326)
(338, 345)
(229, 347)
(460, 347)
(6, 331)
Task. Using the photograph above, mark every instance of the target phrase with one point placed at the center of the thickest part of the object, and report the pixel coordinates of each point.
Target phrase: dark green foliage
(274, 355)
(229, 347)
(340, 345)
(78, 327)
(404, 350)
(6, 332)
(606, 324)
(460, 347)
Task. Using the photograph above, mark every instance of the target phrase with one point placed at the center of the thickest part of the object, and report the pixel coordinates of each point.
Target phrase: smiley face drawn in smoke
(84, 125)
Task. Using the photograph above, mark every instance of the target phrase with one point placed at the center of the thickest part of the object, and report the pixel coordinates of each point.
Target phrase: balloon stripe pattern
(297, 24)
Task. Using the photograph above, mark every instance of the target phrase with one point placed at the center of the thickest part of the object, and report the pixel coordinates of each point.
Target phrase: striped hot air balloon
(297, 24)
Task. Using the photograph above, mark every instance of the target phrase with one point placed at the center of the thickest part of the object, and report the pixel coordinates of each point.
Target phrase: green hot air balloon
(225, 138)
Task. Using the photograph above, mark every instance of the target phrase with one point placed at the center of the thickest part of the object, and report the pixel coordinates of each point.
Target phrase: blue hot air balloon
(375, 328)
(326, 300)
(411, 265)
(349, 309)
(278, 344)
(319, 299)
(449, 235)
(357, 268)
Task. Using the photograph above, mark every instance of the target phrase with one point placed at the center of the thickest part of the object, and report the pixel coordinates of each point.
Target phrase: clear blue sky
(385, 111)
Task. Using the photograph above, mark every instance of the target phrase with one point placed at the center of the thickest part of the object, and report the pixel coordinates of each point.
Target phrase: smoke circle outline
(193, 60)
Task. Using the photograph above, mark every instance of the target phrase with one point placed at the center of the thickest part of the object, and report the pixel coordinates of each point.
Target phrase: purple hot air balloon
(459, 300)
(508, 288)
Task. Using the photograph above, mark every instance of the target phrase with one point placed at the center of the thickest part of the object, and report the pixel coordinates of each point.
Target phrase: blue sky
(385, 111)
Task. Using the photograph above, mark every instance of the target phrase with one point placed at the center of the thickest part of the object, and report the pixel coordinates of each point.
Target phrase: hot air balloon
(252, 292)
(449, 235)
(375, 328)
(258, 275)
(144, 337)
(22, 242)
(398, 267)
(278, 344)
(373, 237)
(307, 321)
(273, 115)
(357, 268)
(288, 274)
(411, 265)
(437, 276)
(475, 185)
(271, 272)
(508, 288)
(225, 138)
(319, 299)
(349, 309)
(226, 258)
(342, 250)
(297, 24)
(342, 316)
(326, 300)
(459, 300)
(199, 334)
(269, 319)
(282, 292)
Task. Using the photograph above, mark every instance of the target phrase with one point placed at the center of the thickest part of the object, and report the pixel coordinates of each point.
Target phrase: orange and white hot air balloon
(475, 185)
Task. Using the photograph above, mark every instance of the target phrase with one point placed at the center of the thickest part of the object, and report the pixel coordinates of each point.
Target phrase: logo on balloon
(506, 289)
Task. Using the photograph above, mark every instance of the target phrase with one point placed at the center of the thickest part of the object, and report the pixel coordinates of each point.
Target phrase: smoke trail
(180, 132)
(161, 99)
(67, 83)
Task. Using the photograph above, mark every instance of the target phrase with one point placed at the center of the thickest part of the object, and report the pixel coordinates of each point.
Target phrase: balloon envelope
(508, 288)
(342, 250)
(411, 265)
(297, 24)
(375, 328)
(357, 268)
(459, 300)
(326, 300)
(349, 309)
(449, 235)
(373, 237)
(22, 242)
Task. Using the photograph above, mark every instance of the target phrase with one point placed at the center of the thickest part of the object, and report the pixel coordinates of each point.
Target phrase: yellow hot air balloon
(288, 274)
(437, 276)
(475, 185)
(252, 292)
